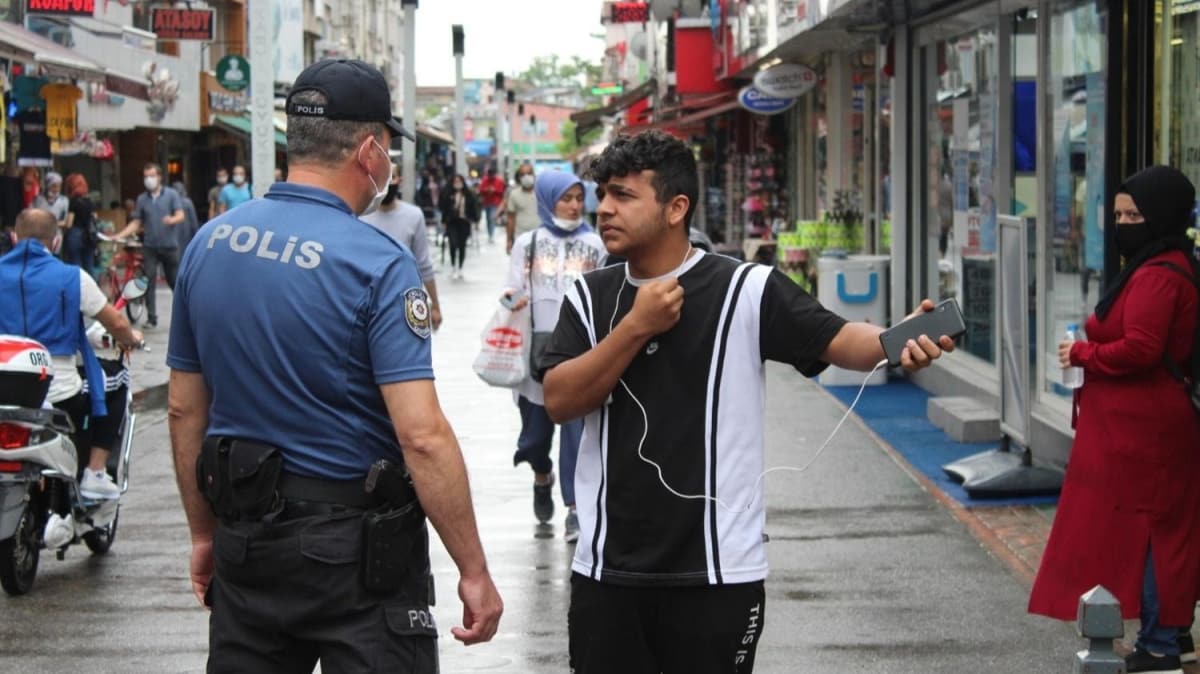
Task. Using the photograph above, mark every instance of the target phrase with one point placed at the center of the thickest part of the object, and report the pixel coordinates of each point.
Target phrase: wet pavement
(869, 572)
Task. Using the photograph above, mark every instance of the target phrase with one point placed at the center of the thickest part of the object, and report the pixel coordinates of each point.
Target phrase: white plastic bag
(503, 358)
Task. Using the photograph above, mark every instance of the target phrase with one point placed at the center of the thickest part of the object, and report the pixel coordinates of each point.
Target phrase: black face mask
(392, 190)
(1132, 238)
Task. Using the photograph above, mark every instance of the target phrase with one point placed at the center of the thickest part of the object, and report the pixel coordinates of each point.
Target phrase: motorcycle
(39, 470)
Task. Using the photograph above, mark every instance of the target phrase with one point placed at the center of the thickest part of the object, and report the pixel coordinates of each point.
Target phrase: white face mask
(151, 183)
(381, 186)
(238, 179)
(567, 225)
(526, 181)
(221, 180)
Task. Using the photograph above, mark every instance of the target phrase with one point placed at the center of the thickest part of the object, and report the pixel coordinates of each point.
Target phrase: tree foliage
(567, 145)
(552, 72)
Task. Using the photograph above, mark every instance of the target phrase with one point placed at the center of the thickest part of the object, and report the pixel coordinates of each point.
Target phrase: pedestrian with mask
(156, 213)
(302, 362)
(405, 223)
(544, 264)
(52, 199)
(663, 358)
(521, 206)
(1129, 514)
(214, 193)
(491, 194)
(460, 210)
(236, 192)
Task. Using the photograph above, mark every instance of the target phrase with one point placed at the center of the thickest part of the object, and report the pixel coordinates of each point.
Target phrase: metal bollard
(1099, 621)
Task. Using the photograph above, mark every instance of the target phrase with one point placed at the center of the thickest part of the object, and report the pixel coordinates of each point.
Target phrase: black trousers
(168, 258)
(711, 629)
(458, 231)
(286, 595)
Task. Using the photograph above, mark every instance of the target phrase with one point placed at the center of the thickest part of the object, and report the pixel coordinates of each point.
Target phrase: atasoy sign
(171, 23)
(786, 80)
(750, 98)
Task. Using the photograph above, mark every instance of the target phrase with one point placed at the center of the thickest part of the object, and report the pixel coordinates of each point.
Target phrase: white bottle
(1072, 377)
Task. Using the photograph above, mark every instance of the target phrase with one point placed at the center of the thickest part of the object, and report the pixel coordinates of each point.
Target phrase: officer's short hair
(317, 140)
(35, 223)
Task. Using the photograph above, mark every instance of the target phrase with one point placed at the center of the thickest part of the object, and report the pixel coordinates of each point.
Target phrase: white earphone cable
(761, 476)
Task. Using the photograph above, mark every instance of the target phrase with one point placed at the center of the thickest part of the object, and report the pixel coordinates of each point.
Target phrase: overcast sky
(500, 35)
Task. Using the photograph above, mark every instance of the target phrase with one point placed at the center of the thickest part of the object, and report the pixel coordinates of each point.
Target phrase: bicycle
(124, 281)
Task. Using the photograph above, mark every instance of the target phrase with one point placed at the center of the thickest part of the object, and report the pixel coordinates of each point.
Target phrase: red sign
(629, 12)
(504, 338)
(61, 7)
(169, 23)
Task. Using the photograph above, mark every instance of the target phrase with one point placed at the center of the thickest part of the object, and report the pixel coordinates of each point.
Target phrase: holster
(239, 477)
(391, 538)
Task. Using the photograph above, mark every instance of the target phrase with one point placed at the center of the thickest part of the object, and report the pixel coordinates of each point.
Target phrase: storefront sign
(629, 12)
(61, 7)
(126, 87)
(786, 80)
(171, 23)
(757, 102)
(233, 72)
(220, 102)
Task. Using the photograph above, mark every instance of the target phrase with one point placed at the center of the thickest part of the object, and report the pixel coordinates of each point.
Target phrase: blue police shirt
(295, 311)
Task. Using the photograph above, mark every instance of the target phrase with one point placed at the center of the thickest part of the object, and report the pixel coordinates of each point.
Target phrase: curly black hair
(669, 158)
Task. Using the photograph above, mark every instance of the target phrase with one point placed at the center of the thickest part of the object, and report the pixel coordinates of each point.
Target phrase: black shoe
(543, 500)
(151, 322)
(1144, 661)
(1187, 647)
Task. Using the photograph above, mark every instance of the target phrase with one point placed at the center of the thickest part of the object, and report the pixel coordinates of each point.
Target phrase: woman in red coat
(1129, 515)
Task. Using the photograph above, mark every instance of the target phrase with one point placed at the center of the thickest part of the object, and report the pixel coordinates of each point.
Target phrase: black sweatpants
(152, 259)
(458, 231)
(712, 629)
(287, 594)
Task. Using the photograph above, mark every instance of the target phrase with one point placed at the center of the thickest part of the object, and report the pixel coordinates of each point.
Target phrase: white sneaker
(98, 485)
(59, 531)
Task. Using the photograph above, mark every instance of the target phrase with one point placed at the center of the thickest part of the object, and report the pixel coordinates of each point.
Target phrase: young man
(491, 195)
(157, 211)
(663, 358)
(214, 193)
(236, 193)
(406, 223)
(521, 206)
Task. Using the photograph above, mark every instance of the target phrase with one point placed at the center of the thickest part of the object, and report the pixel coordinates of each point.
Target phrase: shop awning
(435, 135)
(242, 124)
(586, 120)
(718, 105)
(53, 58)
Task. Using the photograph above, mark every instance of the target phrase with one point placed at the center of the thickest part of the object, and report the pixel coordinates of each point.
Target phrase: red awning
(693, 118)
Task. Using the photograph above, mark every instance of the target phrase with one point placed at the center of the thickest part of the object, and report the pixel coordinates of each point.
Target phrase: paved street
(869, 572)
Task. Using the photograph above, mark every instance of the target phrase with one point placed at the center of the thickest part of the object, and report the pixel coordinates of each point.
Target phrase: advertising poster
(289, 40)
(1093, 212)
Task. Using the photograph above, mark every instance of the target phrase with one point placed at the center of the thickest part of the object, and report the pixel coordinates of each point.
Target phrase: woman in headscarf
(52, 199)
(544, 264)
(1129, 514)
(460, 212)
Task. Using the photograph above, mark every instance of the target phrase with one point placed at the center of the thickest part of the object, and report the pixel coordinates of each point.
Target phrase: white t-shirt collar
(682, 269)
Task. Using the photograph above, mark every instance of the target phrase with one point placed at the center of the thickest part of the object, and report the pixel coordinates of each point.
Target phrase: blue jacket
(39, 299)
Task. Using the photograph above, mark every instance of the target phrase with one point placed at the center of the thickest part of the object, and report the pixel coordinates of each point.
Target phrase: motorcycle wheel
(19, 555)
(135, 309)
(100, 540)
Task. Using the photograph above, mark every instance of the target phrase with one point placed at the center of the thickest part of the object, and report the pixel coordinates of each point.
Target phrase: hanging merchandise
(27, 93)
(61, 110)
(35, 144)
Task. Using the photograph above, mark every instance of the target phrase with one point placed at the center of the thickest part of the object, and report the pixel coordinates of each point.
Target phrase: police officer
(308, 440)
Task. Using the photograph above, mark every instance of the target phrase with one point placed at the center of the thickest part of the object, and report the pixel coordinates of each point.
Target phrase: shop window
(960, 80)
(1177, 81)
(1074, 231)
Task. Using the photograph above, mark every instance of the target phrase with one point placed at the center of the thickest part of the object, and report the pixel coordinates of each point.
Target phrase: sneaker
(98, 485)
(1187, 647)
(543, 500)
(1145, 661)
(571, 526)
(59, 531)
(151, 323)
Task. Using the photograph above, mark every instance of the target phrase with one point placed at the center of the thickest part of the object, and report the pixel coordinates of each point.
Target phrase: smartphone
(510, 301)
(945, 319)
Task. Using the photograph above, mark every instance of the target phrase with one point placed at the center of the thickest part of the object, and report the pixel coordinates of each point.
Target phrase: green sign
(607, 89)
(233, 72)
(538, 148)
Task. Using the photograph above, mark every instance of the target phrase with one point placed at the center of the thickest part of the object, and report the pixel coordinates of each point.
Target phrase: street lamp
(408, 157)
(533, 135)
(498, 99)
(460, 136)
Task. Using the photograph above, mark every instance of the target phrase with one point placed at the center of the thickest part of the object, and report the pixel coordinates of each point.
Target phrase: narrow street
(869, 572)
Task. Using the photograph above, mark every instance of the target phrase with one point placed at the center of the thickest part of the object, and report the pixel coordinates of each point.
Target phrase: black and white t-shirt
(702, 388)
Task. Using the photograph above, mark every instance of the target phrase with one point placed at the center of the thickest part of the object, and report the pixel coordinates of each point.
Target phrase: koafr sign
(786, 80)
(61, 7)
(750, 98)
